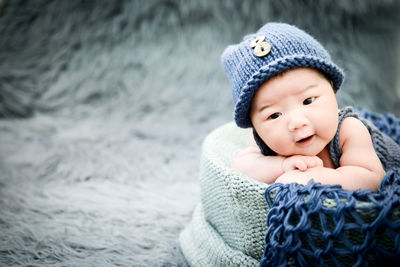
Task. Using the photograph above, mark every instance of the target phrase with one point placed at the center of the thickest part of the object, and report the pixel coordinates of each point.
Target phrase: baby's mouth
(305, 140)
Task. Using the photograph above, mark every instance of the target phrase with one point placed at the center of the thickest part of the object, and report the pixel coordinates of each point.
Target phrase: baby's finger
(314, 162)
(301, 165)
(319, 162)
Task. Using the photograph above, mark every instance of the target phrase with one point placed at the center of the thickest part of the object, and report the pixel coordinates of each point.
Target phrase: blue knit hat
(275, 48)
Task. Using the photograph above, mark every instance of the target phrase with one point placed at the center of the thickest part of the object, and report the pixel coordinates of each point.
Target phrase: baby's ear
(331, 83)
(265, 150)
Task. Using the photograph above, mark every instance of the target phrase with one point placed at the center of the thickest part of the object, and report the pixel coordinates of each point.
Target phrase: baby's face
(295, 113)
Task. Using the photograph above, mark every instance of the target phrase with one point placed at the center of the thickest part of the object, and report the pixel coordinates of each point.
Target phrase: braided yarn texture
(324, 225)
(387, 147)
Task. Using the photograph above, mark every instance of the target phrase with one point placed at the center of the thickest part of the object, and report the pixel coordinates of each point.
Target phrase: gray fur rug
(104, 106)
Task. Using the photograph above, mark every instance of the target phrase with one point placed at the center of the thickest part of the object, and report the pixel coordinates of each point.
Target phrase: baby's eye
(274, 116)
(309, 100)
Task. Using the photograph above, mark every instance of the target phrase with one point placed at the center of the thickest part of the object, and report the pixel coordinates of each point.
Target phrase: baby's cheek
(279, 143)
(328, 120)
(330, 126)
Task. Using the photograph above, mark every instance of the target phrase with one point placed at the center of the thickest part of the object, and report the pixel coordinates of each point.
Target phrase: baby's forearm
(268, 168)
(256, 166)
(350, 177)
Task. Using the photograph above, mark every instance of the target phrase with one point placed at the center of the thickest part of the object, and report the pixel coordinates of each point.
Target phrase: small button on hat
(256, 41)
(273, 49)
(262, 49)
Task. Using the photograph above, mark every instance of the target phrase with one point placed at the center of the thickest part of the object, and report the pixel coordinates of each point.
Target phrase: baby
(283, 84)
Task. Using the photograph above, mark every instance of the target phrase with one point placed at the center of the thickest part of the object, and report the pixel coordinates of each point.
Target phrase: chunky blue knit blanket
(324, 225)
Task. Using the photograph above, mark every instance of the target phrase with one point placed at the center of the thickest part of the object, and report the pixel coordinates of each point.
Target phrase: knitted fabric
(318, 223)
(290, 48)
(228, 226)
(324, 225)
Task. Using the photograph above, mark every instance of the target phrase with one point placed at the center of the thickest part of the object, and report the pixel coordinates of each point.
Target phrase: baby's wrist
(283, 160)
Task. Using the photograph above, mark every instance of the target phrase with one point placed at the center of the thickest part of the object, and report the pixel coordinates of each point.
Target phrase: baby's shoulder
(352, 128)
(351, 121)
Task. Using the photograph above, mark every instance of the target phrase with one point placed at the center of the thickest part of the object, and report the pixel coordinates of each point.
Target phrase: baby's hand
(301, 163)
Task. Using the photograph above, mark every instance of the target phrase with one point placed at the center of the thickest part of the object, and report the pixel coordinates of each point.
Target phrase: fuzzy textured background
(104, 105)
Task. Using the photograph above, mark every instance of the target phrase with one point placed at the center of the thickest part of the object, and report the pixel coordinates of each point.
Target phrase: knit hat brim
(242, 108)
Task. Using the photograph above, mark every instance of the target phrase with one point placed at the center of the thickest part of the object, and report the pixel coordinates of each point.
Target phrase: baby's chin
(299, 154)
(309, 153)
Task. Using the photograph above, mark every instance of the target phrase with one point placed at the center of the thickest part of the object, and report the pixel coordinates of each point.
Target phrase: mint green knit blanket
(228, 227)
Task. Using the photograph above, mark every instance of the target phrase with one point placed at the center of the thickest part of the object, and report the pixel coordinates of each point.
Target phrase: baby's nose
(297, 121)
